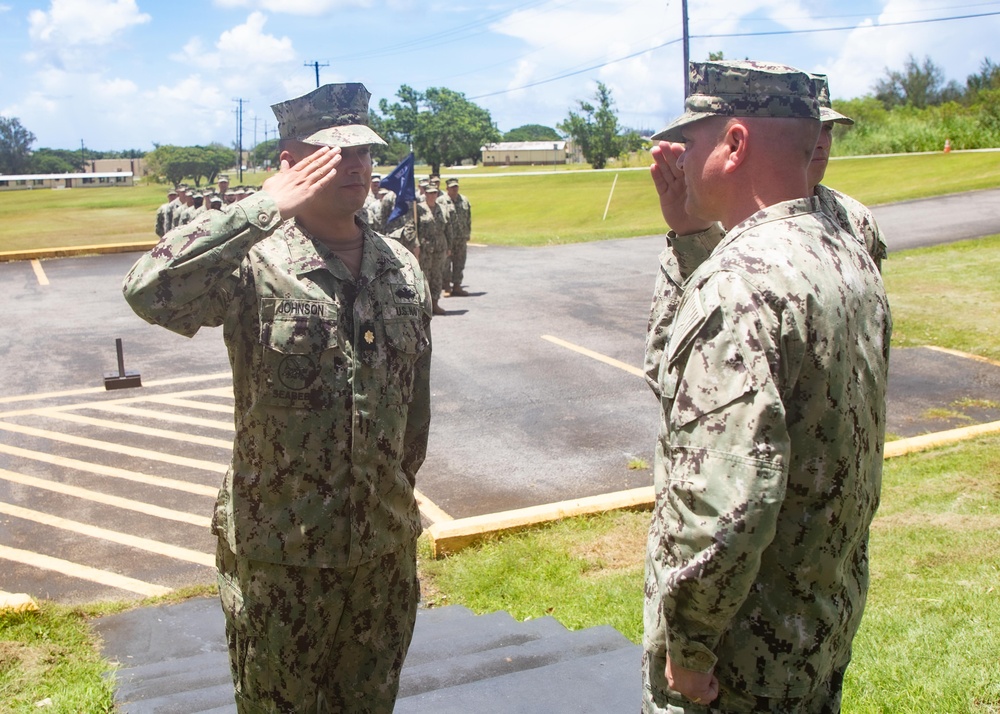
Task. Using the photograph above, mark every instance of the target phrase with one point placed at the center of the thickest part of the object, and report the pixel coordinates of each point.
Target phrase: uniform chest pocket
(406, 339)
(300, 352)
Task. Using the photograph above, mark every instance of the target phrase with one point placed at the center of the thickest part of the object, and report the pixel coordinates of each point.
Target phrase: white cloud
(84, 22)
(243, 46)
(299, 7)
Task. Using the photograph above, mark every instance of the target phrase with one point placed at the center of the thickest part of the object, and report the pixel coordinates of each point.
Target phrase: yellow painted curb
(19, 602)
(70, 251)
(939, 438)
(451, 536)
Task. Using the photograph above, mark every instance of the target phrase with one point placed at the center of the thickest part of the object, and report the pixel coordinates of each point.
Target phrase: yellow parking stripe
(152, 546)
(83, 572)
(107, 499)
(137, 429)
(117, 448)
(110, 471)
(595, 355)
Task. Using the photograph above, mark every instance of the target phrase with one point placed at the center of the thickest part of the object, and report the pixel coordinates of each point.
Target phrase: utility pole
(316, 66)
(239, 137)
(687, 52)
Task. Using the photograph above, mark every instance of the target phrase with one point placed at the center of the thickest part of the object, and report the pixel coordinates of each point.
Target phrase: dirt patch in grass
(621, 548)
(955, 522)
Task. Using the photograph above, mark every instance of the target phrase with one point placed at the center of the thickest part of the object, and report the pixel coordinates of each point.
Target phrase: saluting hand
(668, 179)
(295, 185)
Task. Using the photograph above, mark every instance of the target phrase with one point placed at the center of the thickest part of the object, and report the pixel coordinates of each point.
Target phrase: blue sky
(123, 74)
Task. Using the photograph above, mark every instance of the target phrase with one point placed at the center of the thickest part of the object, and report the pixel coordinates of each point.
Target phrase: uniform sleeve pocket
(707, 363)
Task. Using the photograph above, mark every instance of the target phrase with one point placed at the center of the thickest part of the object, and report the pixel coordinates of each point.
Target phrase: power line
(724, 35)
(316, 66)
(848, 27)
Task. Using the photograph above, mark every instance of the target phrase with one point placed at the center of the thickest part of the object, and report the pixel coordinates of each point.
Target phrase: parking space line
(39, 273)
(595, 355)
(82, 572)
(165, 416)
(109, 471)
(191, 404)
(108, 500)
(131, 541)
(137, 429)
(102, 390)
(117, 448)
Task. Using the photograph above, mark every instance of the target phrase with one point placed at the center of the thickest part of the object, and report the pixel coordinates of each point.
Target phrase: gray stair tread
(174, 660)
(155, 634)
(599, 684)
(446, 638)
(487, 663)
(198, 701)
(158, 679)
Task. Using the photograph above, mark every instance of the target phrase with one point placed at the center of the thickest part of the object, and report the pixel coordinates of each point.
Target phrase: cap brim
(826, 114)
(343, 136)
(673, 131)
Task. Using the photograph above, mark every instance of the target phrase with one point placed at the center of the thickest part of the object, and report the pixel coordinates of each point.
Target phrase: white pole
(613, 184)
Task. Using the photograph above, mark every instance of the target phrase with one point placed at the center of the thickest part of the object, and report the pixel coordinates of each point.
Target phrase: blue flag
(401, 182)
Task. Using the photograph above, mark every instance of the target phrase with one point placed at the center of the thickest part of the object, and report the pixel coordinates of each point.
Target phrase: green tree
(595, 130)
(532, 132)
(55, 161)
(175, 163)
(15, 146)
(988, 78)
(918, 85)
(441, 124)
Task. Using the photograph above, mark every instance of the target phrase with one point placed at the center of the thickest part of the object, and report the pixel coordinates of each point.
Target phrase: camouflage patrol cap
(332, 115)
(451, 182)
(826, 111)
(744, 88)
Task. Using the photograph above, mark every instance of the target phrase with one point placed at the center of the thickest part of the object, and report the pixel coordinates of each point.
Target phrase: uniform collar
(308, 254)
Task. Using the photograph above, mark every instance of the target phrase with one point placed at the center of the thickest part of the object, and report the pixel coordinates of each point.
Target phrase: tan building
(137, 167)
(27, 182)
(524, 153)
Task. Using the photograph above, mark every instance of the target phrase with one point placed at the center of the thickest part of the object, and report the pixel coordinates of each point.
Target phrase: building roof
(525, 146)
(49, 177)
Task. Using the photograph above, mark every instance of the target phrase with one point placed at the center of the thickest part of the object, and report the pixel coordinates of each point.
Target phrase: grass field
(534, 207)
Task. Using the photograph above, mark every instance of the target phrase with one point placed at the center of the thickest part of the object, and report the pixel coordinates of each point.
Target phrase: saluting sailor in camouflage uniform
(460, 218)
(328, 330)
(689, 243)
(772, 387)
(434, 234)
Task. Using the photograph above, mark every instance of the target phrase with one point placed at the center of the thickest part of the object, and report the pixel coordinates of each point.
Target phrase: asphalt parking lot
(536, 391)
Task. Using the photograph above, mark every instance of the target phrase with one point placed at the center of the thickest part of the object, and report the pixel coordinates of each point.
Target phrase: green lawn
(536, 207)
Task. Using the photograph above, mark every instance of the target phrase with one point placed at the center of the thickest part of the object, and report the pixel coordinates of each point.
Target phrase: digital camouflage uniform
(433, 233)
(163, 217)
(316, 517)
(773, 402)
(771, 365)
(683, 254)
(461, 230)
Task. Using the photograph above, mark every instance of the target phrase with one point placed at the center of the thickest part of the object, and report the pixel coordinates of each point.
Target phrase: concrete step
(463, 668)
(173, 660)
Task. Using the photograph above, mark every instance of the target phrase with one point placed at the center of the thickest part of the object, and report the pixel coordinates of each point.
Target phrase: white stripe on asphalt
(36, 265)
(110, 471)
(117, 501)
(117, 448)
(152, 546)
(137, 429)
(83, 572)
